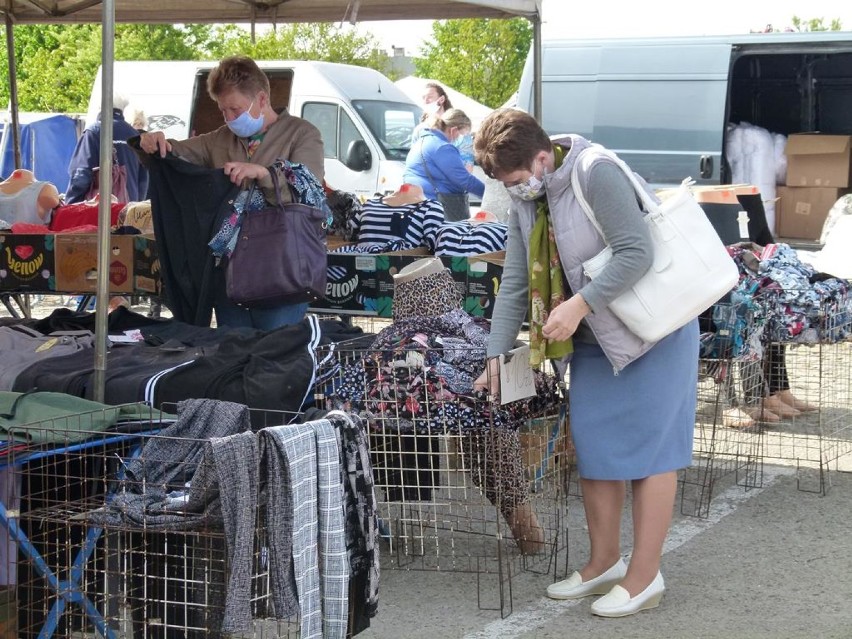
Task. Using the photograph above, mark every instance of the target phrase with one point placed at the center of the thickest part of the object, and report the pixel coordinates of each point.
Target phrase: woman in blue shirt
(435, 164)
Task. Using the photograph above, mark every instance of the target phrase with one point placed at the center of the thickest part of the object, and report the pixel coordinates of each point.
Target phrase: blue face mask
(244, 125)
(464, 142)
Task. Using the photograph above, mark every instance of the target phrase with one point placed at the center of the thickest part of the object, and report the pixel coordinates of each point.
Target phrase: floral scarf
(546, 287)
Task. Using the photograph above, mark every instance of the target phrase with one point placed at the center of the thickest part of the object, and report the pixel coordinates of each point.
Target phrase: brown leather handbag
(280, 257)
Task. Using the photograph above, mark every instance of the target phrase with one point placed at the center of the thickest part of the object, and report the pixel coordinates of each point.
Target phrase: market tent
(108, 12)
(265, 11)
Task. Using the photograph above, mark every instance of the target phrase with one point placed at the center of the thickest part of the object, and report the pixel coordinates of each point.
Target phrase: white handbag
(691, 271)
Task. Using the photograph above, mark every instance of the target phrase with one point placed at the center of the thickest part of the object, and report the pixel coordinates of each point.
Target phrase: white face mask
(431, 107)
(532, 189)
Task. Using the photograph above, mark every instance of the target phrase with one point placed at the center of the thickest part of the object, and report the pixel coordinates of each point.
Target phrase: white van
(365, 120)
(664, 104)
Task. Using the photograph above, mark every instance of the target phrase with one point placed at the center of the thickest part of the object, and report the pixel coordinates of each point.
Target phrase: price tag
(742, 220)
(516, 376)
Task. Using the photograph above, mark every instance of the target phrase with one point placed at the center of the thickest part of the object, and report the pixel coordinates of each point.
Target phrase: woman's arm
(447, 159)
(510, 307)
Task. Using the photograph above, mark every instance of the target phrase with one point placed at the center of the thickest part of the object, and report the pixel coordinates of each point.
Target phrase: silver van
(663, 104)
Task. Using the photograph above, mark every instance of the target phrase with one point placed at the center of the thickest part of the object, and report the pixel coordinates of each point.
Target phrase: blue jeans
(265, 319)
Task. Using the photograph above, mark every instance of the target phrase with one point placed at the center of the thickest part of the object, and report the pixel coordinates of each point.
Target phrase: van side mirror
(358, 156)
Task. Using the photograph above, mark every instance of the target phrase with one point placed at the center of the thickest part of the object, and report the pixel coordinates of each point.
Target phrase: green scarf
(546, 289)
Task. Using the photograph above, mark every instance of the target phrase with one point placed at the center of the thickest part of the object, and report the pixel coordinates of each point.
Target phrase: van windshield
(392, 123)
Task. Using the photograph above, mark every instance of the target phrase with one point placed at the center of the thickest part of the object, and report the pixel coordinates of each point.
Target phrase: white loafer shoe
(618, 603)
(574, 587)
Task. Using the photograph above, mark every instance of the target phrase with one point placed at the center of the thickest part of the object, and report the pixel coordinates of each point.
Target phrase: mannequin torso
(406, 194)
(25, 199)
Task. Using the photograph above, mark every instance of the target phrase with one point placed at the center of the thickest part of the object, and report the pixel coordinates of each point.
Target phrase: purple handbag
(280, 257)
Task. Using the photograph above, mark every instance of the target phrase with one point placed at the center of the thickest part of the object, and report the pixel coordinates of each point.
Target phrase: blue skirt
(640, 422)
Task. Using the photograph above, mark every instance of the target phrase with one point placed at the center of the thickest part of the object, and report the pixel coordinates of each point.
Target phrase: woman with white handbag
(632, 402)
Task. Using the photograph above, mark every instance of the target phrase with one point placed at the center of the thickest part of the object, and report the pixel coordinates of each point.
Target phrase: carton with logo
(362, 283)
(146, 265)
(353, 284)
(26, 262)
(77, 263)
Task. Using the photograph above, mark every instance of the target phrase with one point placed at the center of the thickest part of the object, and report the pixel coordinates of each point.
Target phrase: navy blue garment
(87, 157)
(188, 204)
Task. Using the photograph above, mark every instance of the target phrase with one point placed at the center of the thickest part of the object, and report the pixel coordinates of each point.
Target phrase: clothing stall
(121, 576)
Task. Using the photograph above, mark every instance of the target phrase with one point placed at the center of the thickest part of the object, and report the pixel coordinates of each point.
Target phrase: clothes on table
(464, 238)
(380, 227)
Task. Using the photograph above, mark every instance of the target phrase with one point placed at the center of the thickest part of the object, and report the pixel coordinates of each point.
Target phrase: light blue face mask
(244, 125)
(464, 143)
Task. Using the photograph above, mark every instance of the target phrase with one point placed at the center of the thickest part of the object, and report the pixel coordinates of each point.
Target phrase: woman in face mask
(254, 137)
(632, 404)
(435, 164)
(435, 101)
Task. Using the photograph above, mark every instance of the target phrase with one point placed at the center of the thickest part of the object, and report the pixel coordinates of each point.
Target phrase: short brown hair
(237, 73)
(508, 140)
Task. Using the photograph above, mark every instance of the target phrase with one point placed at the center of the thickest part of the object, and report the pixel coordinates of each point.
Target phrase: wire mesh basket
(120, 531)
(463, 484)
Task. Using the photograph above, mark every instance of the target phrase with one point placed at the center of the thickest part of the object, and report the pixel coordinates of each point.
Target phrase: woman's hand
(563, 320)
(489, 380)
(155, 142)
(239, 171)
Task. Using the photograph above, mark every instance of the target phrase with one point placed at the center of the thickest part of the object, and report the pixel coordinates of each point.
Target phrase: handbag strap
(588, 155)
(276, 183)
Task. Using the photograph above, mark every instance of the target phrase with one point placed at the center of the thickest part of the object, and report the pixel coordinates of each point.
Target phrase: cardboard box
(146, 265)
(26, 262)
(815, 159)
(353, 284)
(77, 263)
(545, 442)
(801, 212)
(362, 283)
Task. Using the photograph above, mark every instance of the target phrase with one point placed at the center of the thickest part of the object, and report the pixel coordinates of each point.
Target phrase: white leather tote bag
(691, 270)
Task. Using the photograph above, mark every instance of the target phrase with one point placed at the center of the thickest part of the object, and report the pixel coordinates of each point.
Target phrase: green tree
(815, 24)
(482, 58)
(805, 24)
(304, 41)
(56, 64)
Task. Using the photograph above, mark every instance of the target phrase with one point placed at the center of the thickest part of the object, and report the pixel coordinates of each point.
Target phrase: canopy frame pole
(105, 201)
(13, 88)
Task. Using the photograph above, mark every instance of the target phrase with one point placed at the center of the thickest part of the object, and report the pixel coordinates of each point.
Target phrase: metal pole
(13, 89)
(537, 67)
(105, 204)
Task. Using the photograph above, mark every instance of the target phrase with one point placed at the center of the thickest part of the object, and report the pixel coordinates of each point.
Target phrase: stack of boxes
(68, 262)
(819, 172)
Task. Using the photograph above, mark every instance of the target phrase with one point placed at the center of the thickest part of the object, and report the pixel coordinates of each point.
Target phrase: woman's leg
(779, 381)
(603, 501)
(653, 503)
(493, 458)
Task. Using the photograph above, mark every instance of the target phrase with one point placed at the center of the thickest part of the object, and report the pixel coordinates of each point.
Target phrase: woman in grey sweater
(632, 403)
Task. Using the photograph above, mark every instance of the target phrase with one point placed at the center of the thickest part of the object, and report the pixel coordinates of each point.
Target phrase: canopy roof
(270, 11)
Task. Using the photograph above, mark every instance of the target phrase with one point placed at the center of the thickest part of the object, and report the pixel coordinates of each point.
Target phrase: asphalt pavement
(769, 561)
